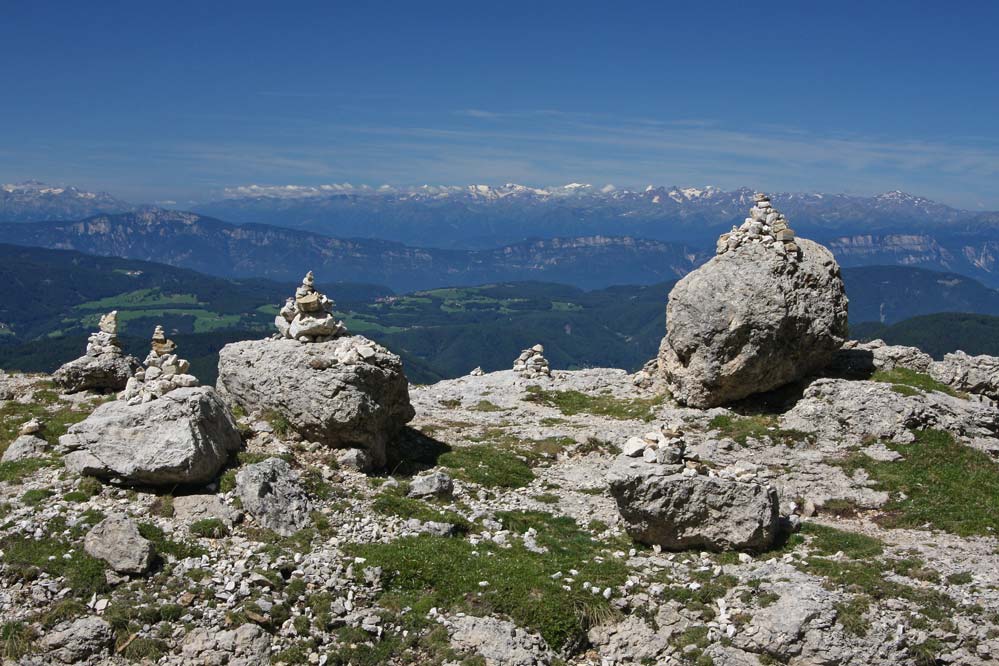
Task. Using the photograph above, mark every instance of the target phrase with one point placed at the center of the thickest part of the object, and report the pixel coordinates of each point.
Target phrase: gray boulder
(972, 374)
(73, 642)
(183, 437)
(431, 484)
(271, 493)
(749, 321)
(117, 541)
(348, 392)
(663, 506)
(191, 508)
(104, 372)
(25, 446)
(246, 645)
(498, 642)
(862, 359)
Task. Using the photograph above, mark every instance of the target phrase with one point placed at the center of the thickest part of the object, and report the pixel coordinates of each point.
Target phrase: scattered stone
(667, 506)
(74, 642)
(117, 541)
(163, 372)
(25, 446)
(308, 317)
(327, 392)
(184, 437)
(271, 493)
(104, 366)
(532, 364)
(431, 484)
(477, 371)
(749, 321)
(30, 427)
(358, 460)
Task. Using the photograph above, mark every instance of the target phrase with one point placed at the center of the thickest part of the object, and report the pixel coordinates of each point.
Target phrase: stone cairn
(666, 447)
(163, 372)
(765, 226)
(105, 340)
(308, 317)
(532, 363)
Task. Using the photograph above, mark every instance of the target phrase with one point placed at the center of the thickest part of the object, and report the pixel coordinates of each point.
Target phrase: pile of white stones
(665, 446)
(308, 317)
(766, 226)
(163, 372)
(105, 340)
(532, 363)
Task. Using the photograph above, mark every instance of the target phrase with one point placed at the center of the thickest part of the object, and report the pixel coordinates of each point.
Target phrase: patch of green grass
(925, 653)
(18, 470)
(61, 611)
(486, 406)
(938, 482)
(316, 486)
(16, 639)
(167, 546)
(850, 615)
(960, 578)
(148, 650)
(488, 466)
(546, 498)
(393, 502)
(279, 422)
(758, 426)
(36, 496)
(904, 378)
(209, 528)
(46, 405)
(829, 540)
(26, 558)
(571, 403)
(423, 572)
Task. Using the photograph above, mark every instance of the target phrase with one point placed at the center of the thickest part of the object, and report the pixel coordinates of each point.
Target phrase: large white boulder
(183, 437)
(347, 392)
(752, 320)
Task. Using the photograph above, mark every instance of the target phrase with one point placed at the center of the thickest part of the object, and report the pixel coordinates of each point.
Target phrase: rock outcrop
(74, 642)
(674, 507)
(972, 374)
(104, 366)
(348, 392)
(861, 359)
(270, 492)
(183, 437)
(163, 372)
(761, 314)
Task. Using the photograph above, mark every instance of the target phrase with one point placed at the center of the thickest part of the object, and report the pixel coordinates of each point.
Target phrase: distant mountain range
(218, 248)
(440, 236)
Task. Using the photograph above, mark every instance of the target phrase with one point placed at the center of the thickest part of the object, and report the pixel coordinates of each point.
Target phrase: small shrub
(209, 528)
(36, 496)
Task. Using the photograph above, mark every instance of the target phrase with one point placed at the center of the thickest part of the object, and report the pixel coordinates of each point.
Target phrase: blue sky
(179, 100)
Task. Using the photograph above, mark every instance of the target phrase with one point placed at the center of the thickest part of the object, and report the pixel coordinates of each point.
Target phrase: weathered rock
(861, 359)
(164, 372)
(308, 317)
(189, 508)
(247, 645)
(431, 484)
(532, 363)
(73, 642)
(855, 412)
(749, 321)
(972, 374)
(104, 367)
(117, 541)
(25, 446)
(661, 506)
(498, 642)
(348, 392)
(271, 493)
(185, 437)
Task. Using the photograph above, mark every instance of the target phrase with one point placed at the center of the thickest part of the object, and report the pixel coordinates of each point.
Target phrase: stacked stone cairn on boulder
(766, 311)
(676, 503)
(104, 366)
(766, 226)
(334, 389)
(308, 316)
(532, 363)
(164, 371)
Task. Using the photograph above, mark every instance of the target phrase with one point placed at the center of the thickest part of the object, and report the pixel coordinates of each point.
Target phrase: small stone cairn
(308, 317)
(766, 226)
(532, 363)
(665, 446)
(105, 340)
(163, 372)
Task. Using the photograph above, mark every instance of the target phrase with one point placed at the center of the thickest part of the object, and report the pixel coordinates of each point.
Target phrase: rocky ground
(512, 551)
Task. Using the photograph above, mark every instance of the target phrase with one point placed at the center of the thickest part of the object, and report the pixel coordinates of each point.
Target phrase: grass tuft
(758, 427)
(905, 380)
(571, 403)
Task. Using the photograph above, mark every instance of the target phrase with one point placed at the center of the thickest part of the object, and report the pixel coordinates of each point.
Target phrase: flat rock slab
(661, 506)
(183, 437)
